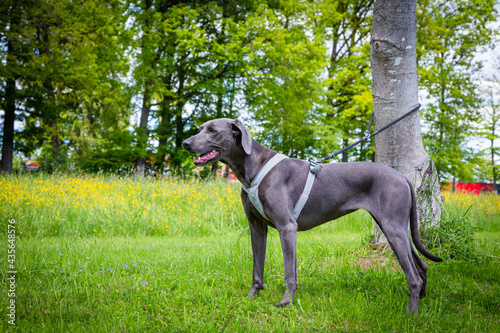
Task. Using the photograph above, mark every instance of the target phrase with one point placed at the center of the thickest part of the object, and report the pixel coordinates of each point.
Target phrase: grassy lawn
(108, 254)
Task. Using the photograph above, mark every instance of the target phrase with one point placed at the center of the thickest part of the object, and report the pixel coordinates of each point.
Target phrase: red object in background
(232, 177)
(475, 188)
(31, 164)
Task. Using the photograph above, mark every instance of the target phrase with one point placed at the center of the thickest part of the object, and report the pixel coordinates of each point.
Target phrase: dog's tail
(414, 228)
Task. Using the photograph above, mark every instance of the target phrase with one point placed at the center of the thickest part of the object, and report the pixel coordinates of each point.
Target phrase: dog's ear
(246, 140)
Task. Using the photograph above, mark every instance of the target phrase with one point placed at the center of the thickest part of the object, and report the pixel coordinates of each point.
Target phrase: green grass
(483, 211)
(195, 277)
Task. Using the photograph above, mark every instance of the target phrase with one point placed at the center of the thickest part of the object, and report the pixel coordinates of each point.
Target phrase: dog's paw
(283, 304)
(253, 293)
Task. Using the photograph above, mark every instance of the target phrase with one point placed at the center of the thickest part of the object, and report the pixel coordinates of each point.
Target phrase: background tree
(450, 33)
(11, 13)
(282, 85)
(192, 52)
(145, 73)
(486, 167)
(395, 91)
(348, 97)
(114, 85)
(70, 90)
(100, 111)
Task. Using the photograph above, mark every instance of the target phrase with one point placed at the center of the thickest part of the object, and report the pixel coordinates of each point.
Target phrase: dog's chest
(256, 213)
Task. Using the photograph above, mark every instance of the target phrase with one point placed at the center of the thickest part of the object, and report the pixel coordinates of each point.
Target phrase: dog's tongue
(206, 157)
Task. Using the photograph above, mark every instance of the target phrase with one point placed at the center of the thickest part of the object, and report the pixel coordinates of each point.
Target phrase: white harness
(253, 190)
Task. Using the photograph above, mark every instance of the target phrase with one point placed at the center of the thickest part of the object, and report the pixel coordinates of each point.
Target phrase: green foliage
(350, 105)
(52, 160)
(113, 84)
(69, 69)
(190, 58)
(488, 129)
(115, 153)
(453, 238)
(282, 85)
(348, 99)
(449, 34)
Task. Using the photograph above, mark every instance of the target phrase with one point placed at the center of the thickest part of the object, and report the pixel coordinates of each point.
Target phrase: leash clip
(314, 167)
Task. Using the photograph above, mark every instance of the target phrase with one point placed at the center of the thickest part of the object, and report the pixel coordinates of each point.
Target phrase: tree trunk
(146, 98)
(395, 91)
(143, 129)
(179, 121)
(164, 133)
(10, 94)
(179, 129)
(493, 125)
(219, 107)
(8, 125)
(345, 155)
(215, 168)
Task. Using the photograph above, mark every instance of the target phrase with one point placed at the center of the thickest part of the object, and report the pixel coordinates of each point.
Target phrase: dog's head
(218, 138)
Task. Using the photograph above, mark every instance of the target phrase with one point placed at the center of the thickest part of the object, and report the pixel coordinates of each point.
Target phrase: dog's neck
(245, 167)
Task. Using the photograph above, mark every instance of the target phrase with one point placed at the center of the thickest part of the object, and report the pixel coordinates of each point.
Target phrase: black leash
(315, 168)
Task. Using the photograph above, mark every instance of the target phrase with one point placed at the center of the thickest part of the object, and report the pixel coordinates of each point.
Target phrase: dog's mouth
(206, 158)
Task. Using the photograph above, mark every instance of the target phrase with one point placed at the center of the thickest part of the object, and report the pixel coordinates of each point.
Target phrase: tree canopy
(120, 84)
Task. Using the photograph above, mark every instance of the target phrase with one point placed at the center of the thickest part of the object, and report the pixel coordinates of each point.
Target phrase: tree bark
(8, 125)
(143, 128)
(10, 94)
(493, 126)
(345, 155)
(219, 107)
(165, 132)
(146, 99)
(395, 91)
(179, 121)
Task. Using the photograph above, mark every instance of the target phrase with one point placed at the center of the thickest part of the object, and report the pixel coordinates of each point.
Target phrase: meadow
(96, 253)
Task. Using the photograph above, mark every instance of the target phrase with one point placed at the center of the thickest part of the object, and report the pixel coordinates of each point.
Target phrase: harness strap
(253, 190)
(304, 196)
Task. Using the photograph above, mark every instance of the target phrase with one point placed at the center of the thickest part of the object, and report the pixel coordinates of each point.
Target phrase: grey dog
(339, 189)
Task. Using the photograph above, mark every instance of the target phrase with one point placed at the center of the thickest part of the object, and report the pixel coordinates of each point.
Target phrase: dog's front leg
(258, 231)
(288, 238)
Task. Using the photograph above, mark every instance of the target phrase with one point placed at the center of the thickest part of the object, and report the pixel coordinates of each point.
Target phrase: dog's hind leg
(422, 271)
(399, 240)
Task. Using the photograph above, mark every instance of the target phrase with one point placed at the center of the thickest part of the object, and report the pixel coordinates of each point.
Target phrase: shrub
(453, 238)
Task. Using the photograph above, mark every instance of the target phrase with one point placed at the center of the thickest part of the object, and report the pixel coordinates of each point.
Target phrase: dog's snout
(187, 144)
